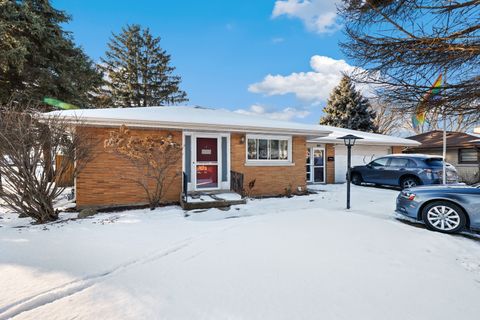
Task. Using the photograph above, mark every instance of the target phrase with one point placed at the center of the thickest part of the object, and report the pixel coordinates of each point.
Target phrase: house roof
(367, 138)
(434, 140)
(189, 118)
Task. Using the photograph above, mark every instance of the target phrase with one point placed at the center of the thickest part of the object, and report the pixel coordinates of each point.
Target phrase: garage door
(361, 155)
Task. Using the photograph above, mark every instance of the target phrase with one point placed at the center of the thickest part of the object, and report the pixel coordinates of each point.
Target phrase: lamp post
(349, 141)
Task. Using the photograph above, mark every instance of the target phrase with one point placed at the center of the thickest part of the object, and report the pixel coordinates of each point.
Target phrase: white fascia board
(411, 143)
(103, 122)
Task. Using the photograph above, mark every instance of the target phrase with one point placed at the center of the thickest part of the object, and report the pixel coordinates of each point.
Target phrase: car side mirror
(369, 166)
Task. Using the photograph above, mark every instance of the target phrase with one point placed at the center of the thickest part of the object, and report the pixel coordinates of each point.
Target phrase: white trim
(221, 185)
(112, 122)
(368, 142)
(269, 162)
(312, 165)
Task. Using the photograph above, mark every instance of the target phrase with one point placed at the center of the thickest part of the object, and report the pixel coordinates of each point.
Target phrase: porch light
(242, 139)
(349, 141)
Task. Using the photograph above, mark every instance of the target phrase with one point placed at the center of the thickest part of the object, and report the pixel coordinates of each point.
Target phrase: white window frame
(192, 185)
(269, 162)
(313, 166)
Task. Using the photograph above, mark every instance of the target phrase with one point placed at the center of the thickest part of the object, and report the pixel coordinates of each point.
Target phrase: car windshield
(476, 185)
(434, 162)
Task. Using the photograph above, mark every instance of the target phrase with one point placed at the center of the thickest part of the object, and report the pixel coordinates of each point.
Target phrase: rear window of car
(434, 162)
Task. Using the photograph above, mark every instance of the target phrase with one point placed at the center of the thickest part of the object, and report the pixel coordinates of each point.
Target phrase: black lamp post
(349, 141)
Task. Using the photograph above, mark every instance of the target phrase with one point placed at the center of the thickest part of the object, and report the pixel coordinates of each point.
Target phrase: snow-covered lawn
(299, 258)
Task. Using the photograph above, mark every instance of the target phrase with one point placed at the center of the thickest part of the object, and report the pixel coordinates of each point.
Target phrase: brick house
(218, 145)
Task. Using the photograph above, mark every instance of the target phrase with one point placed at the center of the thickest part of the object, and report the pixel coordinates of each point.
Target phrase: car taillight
(410, 196)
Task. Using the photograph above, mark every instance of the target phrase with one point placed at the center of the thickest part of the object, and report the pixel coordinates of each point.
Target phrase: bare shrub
(28, 142)
(153, 158)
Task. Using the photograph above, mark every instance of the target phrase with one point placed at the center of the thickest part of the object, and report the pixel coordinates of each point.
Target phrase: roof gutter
(370, 143)
(103, 122)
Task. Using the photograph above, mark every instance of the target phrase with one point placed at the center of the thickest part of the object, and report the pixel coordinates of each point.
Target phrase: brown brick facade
(103, 183)
(271, 180)
(397, 149)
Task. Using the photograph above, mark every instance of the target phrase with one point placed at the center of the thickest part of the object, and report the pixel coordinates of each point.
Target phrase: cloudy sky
(276, 59)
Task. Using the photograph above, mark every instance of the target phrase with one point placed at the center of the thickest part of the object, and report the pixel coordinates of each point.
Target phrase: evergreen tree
(39, 59)
(138, 71)
(347, 108)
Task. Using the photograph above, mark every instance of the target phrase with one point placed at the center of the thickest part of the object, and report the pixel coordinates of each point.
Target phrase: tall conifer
(39, 59)
(138, 71)
(347, 108)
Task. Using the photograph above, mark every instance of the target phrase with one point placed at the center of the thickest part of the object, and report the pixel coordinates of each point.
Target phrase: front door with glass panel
(206, 164)
(316, 165)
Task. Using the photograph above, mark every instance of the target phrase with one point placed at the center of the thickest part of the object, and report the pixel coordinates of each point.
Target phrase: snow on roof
(368, 138)
(200, 118)
(187, 117)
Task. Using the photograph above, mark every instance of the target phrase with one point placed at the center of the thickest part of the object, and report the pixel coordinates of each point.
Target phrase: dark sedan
(446, 209)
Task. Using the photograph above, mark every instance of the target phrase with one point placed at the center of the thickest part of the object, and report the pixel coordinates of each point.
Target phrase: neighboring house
(218, 147)
(463, 151)
(327, 156)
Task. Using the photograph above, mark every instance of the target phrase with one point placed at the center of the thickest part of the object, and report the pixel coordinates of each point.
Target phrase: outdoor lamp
(349, 141)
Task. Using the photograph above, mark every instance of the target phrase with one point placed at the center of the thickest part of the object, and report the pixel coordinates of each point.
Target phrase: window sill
(268, 164)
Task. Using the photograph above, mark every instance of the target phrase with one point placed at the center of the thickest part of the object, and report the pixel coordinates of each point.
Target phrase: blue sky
(275, 58)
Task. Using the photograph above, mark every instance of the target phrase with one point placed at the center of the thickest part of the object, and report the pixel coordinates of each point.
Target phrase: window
(467, 156)
(434, 162)
(399, 163)
(382, 162)
(264, 148)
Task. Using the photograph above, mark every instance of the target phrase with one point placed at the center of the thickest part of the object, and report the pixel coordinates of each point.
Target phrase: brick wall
(271, 180)
(397, 149)
(330, 152)
(102, 182)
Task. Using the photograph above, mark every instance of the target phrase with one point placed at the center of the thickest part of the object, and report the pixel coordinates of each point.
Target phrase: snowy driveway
(298, 258)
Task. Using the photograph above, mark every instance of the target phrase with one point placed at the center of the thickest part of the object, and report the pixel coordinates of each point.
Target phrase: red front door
(207, 163)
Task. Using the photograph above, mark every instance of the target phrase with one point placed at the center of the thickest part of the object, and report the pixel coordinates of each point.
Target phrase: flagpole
(444, 147)
(444, 171)
(445, 114)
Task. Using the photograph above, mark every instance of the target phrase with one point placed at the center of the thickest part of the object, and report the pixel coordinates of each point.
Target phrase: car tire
(444, 216)
(408, 182)
(357, 179)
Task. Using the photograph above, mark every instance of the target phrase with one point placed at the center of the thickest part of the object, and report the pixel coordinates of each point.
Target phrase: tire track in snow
(68, 289)
(63, 291)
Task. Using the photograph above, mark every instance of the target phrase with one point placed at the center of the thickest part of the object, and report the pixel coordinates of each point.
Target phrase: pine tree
(39, 59)
(138, 71)
(347, 108)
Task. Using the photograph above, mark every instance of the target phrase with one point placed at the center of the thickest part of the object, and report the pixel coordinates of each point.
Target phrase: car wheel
(408, 182)
(357, 179)
(444, 216)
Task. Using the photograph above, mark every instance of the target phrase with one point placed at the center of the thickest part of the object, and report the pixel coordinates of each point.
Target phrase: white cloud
(285, 114)
(319, 16)
(313, 86)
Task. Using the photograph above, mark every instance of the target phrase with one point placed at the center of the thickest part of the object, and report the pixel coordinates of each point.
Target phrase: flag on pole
(59, 104)
(433, 94)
